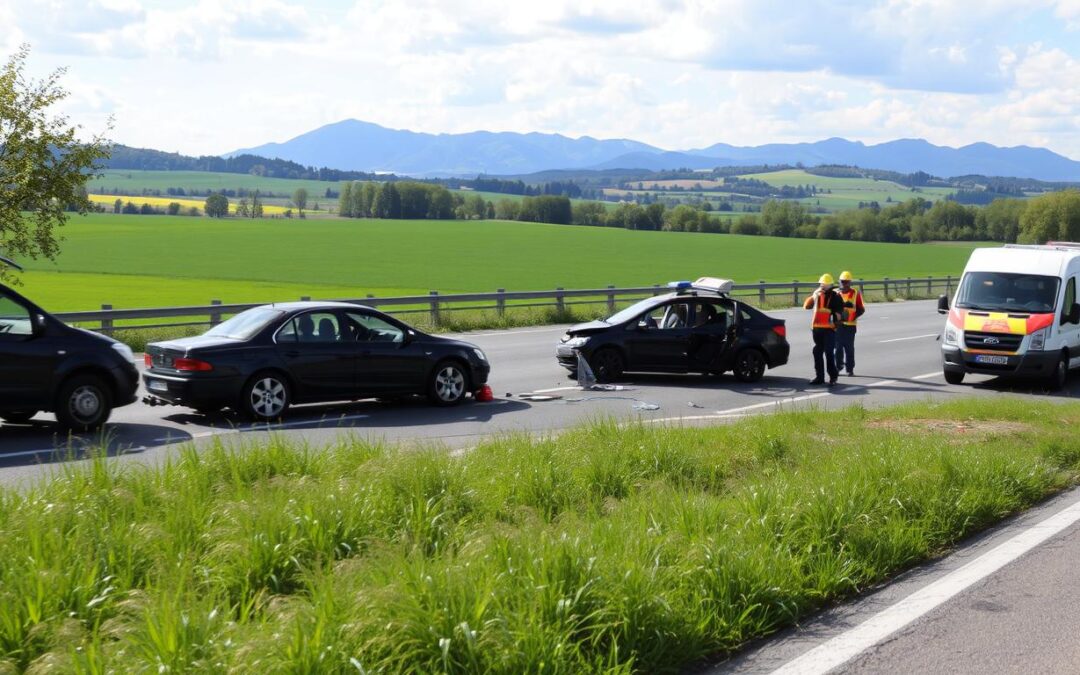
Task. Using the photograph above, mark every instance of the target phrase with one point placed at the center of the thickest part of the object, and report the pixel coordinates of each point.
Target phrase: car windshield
(1006, 292)
(630, 312)
(245, 324)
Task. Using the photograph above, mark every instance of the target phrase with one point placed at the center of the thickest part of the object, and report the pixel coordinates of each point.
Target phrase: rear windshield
(1003, 292)
(245, 324)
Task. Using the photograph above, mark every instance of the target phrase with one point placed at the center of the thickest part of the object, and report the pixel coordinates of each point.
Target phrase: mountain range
(364, 146)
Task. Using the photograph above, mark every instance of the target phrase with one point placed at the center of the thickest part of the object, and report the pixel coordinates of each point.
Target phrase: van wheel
(954, 376)
(607, 365)
(84, 403)
(1060, 378)
(18, 417)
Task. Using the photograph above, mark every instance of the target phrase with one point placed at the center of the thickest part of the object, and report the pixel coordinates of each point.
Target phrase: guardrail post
(929, 285)
(434, 307)
(106, 322)
(500, 302)
(305, 298)
(795, 293)
(560, 302)
(909, 287)
(761, 292)
(215, 316)
(948, 285)
(611, 300)
(862, 287)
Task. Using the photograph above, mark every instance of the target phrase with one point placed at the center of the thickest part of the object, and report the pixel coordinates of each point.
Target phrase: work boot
(832, 382)
(851, 373)
(817, 380)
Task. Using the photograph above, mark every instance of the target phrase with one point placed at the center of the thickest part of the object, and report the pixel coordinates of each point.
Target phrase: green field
(848, 192)
(136, 261)
(134, 182)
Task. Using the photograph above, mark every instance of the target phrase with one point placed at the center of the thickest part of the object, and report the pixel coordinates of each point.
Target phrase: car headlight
(1038, 340)
(951, 336)
(480, 354)
(576, 342)
(124, 351)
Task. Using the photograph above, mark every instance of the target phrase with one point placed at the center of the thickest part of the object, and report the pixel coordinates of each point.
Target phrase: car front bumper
(1029, 364)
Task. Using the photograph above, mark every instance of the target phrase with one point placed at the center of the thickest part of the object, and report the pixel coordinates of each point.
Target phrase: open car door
(713, 335)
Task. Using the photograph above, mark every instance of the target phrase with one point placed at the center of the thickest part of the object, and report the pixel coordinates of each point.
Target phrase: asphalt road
(1023, 618)
(897, 360)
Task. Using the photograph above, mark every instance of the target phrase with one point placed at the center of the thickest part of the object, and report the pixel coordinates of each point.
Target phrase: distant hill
(362, 146)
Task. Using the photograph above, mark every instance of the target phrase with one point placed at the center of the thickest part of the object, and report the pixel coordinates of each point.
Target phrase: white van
(1015, 313)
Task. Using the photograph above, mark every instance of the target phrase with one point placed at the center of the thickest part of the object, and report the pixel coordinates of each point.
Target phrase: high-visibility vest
(851, 296)
(822, 313)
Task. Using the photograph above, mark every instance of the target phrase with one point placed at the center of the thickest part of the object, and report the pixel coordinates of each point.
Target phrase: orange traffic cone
(484, 395)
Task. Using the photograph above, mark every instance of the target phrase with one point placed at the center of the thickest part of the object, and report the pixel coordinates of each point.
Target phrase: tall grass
(607, 549)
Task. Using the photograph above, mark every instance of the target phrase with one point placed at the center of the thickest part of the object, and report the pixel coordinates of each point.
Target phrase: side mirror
(943, 304)
(642, 325)
(1074, 313)
(40, 323)
(410, 335)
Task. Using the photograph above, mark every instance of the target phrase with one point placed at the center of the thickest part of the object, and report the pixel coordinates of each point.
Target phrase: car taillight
(191, 365)
(780, 330)
(148, 360)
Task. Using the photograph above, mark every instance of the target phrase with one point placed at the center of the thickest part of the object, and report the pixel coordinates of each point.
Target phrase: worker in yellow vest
(828, 313)
(845, 331)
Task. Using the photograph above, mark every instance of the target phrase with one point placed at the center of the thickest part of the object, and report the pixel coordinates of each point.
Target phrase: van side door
(27, 359)
(1068, 332)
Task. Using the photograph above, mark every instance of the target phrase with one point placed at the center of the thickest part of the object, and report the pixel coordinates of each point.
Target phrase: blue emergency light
(680, 285)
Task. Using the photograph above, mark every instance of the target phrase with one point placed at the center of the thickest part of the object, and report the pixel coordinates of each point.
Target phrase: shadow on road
(358, 415)
(42, 442)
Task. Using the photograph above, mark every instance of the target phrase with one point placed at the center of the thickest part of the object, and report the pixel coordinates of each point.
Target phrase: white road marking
(735, 412)
(847, 646)
(913, 337)
(927, 376)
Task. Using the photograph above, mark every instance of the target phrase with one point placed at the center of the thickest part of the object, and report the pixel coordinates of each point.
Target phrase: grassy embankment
(605, 549)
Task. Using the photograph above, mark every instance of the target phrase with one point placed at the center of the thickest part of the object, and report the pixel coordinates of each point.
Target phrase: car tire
(749, 365)
(83, 403)
(265, 397)
(954, 376)
(607, 364)
(1060, 378)
(18, 416)
(448, 384)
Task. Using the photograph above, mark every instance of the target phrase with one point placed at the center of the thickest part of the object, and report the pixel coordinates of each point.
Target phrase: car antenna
(11, 263)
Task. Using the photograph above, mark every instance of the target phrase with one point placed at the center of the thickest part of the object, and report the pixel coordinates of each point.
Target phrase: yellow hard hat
(826, 279)
(845, 276)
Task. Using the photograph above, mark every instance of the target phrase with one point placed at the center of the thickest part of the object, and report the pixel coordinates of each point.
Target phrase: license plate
(992, 360)
(157, 385)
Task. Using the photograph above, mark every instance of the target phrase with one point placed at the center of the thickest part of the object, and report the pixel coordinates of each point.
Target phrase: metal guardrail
(108, 319)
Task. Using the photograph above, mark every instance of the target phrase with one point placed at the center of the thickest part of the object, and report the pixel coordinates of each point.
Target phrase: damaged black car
(697, 328)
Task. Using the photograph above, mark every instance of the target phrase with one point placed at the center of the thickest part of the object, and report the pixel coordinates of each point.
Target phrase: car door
(660, 338)
(711, 335)
(27, 360)
(388, 360)
(319, 356)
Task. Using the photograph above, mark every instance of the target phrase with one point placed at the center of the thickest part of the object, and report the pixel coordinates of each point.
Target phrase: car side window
(288, 332)
(15, 319)
(368, 328)
(709, 316)
(317, 327)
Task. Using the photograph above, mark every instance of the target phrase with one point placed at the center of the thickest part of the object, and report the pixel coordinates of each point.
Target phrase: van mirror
(40, 324)
(943, 304)
(1074, 313)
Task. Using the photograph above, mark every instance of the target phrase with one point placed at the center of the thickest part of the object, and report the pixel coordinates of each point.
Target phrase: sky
(212, 76)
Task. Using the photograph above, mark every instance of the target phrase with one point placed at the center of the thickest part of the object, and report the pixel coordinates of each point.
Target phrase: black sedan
(263, 360)
(690, 331)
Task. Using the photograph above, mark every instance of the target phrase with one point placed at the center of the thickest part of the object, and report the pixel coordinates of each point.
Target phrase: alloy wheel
(85, 404)
(268, 397)
(449, 384)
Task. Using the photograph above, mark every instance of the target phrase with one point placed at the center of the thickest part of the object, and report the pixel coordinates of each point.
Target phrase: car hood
(587, 328)
(450, 342)
(97, 337)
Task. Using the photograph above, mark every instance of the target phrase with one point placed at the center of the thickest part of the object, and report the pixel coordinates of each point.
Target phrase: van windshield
(1005, 292)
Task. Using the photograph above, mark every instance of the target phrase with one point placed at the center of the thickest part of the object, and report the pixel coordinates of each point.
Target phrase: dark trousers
(824, 353)
(845, 348)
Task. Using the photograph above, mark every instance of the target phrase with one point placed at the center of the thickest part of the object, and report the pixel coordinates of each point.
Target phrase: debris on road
(694, 405)
(643, 405)
(585, 376)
